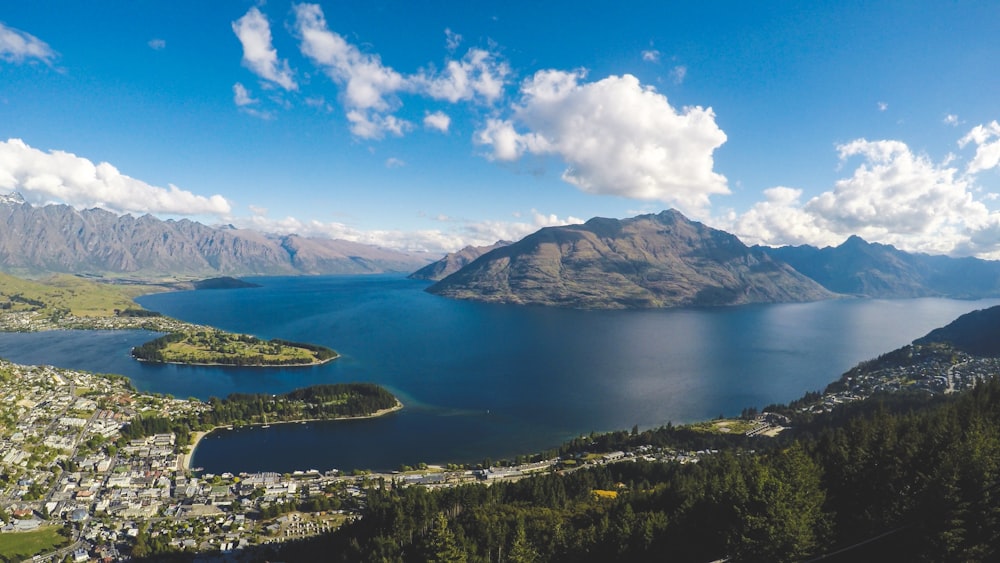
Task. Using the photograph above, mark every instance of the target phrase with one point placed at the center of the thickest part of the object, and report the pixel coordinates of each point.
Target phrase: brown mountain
(454, 261)
(662, 260)
(59, 238)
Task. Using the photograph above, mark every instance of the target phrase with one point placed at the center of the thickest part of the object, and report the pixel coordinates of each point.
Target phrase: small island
(206, 346)
(225, 282)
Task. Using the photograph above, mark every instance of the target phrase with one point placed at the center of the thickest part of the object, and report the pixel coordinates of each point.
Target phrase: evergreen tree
(442, 547)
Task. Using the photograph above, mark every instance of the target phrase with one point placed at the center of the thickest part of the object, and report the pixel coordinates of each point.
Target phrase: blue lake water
(482, 380)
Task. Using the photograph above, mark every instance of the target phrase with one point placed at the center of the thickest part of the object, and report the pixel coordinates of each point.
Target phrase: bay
(483, 380)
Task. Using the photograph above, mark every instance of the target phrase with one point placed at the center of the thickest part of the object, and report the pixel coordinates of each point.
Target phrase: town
(70, 474)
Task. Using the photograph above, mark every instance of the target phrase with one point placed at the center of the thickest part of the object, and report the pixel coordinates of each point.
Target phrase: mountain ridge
(454, 261)
(60, 239)
(648, 261)
(861, 268)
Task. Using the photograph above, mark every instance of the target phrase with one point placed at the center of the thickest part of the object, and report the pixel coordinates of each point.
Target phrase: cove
(481, 380)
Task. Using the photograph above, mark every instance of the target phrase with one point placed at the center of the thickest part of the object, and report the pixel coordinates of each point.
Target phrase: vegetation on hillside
(210, 346)
(318, 402)
(920, 477)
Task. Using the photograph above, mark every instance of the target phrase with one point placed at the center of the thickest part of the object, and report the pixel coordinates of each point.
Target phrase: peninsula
(65, 302)
(215, 347)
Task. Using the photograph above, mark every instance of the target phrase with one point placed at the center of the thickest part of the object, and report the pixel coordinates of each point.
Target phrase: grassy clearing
(218, 347)
(16, 546)
(723, 426)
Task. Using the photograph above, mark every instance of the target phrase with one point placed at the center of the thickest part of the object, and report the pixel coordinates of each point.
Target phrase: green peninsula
(206, 346)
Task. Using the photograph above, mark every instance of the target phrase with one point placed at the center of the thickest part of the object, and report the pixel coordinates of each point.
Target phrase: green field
(65, 293)
(17, 546)
(217, 347)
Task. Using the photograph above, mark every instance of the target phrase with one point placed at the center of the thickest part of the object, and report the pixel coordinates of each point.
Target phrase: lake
(482, 380)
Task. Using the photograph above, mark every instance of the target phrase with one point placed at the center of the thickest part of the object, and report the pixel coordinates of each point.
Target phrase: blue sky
(428, 126)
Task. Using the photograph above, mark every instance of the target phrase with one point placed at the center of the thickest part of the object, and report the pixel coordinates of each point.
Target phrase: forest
(318, 402)
(902, 477)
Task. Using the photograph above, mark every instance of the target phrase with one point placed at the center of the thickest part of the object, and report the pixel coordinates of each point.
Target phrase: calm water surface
(484, 380)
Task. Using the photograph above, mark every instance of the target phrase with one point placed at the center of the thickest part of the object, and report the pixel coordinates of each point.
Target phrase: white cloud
(371, 125)
(438, 120)
(678, 74)
(895, 196)
(371, 89)
(17, 46)
(157, 44)
(461, 233)
(62, 177)
(616, 136)
(367, 82)
(241, 97)
(259, 55)
(882, 106)
(393, 162)
(987, 140)
(651, 56)
(479, 75)
(951, 119)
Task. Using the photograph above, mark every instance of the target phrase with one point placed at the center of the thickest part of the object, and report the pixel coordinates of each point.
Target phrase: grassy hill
(62, 292)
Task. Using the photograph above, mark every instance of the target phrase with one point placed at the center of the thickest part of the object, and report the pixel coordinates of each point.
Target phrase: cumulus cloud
(393, 162)
(17, 46)
(370, 125)
(479, 74)
(894, 196)
(882, 106)
(62, 177)
(458, 234)
(438, 120)
(651, 56)
(259, 55)
(241, 97)
(616, 136)
(987, 141)
(371, 89)
(951, 119)
(369, 86)
(157, 44)
(368, 83)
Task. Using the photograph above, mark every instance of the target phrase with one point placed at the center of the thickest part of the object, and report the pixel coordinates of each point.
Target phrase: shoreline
(315, 363)
(184, 460)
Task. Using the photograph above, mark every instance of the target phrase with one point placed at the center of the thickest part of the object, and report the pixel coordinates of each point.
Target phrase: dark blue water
(483, 380)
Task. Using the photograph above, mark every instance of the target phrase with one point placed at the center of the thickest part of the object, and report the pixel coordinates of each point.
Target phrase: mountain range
(454, 261)
(660, 260)
(866, 269)
(59, 238)
(667, 260)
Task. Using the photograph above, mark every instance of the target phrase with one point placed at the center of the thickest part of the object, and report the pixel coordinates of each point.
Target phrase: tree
(521, 550)
(442, 547)
(782, 518)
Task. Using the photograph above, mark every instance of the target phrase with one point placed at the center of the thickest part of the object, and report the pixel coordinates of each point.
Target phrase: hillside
(976, 333)
(80, 297)
(662, 260)
(454, 261)
(858, 267)
(36, 241)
